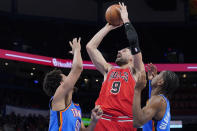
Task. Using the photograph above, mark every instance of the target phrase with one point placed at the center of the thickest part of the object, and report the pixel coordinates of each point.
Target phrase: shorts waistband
(117, 118)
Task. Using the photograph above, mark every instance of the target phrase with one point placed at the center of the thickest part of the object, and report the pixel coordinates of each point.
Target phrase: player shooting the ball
(117, 91)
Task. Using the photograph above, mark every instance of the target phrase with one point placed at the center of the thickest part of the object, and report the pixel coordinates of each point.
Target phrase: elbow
(136, 124)
(88, 47)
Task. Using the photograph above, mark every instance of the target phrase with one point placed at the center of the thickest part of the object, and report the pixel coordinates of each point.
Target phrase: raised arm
(143, 115)
(152, 72)
(68, 82)
(132, 38)
(92, 49)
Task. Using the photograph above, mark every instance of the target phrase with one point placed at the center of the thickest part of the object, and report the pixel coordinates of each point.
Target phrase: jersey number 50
(115, 87)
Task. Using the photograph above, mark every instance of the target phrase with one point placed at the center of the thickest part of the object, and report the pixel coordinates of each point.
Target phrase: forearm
(132, 38)
(77, 61)
(134, 46)
(137, 110)
(96, 40)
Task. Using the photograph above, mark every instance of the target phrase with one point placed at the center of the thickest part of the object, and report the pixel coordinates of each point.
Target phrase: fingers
(150, 66)
(71, 45)
(122, 5)
(97, 110)
(153, 68)
(147, 67)
(75, 44)
(74, 40)
(79, 40)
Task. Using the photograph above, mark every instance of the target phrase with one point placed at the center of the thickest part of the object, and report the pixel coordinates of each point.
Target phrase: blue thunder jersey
(162, 125)
(68, 119)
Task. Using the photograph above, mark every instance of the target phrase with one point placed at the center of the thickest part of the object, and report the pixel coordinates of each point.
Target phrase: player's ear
(130, 58)
(61, 82)
(160, 82)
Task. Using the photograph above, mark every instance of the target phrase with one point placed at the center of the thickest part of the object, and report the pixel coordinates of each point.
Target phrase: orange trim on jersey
(61, 118)
(66, 108)
(153, 126)
(61, 122)
(76, 104)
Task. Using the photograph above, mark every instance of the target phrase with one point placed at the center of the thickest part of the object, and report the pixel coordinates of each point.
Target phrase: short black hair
(128, 47)
(52, 81)
(171, 82)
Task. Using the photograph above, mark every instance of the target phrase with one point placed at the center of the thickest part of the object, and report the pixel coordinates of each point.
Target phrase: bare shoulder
(156, 101)
(159, 104)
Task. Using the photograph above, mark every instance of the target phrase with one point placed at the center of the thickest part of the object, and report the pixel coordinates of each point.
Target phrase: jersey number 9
(115, 87)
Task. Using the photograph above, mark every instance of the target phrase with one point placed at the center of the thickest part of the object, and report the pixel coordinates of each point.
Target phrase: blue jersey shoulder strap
(164, 124)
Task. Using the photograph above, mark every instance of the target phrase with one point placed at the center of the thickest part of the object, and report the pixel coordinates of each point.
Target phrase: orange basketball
(112, 15)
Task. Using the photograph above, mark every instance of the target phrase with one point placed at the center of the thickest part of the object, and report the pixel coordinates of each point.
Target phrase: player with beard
(117, 91)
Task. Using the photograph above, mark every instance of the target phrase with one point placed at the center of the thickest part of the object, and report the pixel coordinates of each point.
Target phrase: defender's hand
(75, 45)
(96, 113)
(152, 71)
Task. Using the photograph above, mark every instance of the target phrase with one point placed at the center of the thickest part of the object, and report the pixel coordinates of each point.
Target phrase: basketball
(112, 15)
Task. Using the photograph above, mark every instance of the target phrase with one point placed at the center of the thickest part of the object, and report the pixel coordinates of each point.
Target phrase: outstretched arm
(132, 38)
(92, 49)
(68, 82)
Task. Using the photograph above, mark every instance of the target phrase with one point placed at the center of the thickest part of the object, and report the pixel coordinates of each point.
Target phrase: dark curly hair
(52, 81)
(171, 82)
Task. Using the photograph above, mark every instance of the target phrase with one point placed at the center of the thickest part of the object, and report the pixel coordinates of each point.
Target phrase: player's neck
(155, 91)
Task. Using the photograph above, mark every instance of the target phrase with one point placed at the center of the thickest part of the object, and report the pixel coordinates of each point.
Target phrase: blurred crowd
(14, 122)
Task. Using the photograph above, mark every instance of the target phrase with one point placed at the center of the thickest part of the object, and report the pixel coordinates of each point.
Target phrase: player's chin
(118, 62)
